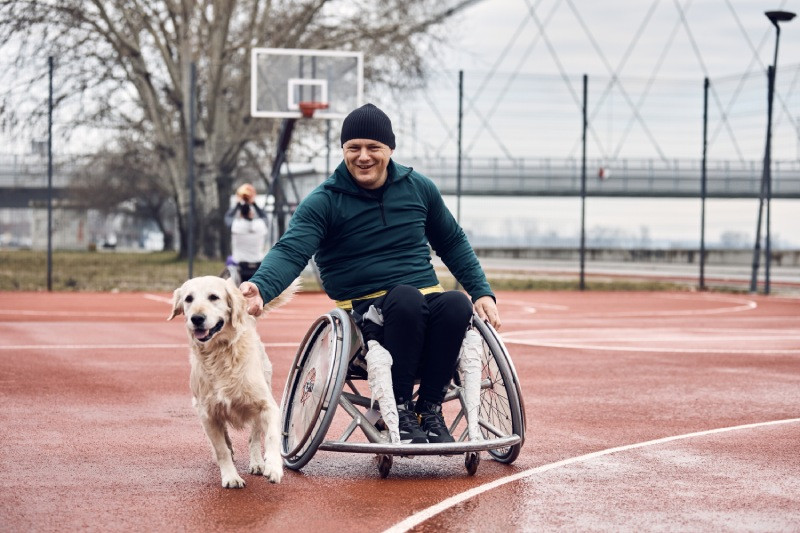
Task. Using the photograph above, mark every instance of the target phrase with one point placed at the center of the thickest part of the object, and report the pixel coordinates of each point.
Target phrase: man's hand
(255, 305)
(487, 310)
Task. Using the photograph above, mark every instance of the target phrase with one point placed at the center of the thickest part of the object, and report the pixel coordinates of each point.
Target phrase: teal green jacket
(363, 245)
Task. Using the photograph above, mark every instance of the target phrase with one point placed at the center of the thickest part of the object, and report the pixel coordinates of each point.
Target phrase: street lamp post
(775, 17)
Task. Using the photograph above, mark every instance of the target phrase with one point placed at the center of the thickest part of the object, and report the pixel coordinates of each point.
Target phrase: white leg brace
(470, 366)
(379, 377)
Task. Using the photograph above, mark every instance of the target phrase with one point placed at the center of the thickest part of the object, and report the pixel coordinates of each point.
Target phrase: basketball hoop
(308, 108)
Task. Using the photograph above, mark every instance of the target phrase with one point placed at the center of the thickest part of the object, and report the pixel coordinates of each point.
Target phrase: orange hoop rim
(308, 108)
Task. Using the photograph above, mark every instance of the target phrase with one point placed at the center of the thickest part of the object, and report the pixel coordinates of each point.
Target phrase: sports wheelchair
(332, 355)
(238, 272)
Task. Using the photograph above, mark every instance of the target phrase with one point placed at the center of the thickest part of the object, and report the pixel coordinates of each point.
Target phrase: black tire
(501, 403)
(384, 465)
(313, 388)
(471, 462)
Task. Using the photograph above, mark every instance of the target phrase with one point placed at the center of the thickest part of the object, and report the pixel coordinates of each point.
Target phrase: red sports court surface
(645, 411)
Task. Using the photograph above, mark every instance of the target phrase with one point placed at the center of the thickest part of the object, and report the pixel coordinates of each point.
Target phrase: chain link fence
(507, 118)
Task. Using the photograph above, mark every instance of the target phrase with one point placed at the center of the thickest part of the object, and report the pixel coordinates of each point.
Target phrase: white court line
(157, 298)
(275, 314)
(739, 305)
(615, 316)
(687, 312)
(287, 313)
(120, 314)
(668, 349)
(120, 346)
(533, 335)
(537, 336)
(421, 516)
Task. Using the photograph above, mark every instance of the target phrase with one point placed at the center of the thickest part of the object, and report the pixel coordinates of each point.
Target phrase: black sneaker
(410, 432)
(432, 422)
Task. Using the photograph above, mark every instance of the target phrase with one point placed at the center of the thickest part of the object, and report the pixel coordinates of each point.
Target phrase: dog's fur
(230, 373)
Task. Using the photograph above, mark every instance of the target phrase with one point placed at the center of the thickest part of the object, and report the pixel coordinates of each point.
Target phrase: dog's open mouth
(204, 335)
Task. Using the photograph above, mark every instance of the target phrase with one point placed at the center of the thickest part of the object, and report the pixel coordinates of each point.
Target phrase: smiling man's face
(367, 161)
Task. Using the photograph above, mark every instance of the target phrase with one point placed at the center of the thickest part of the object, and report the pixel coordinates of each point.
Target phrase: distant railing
(678, 178)
(623, 178)
(30, 171)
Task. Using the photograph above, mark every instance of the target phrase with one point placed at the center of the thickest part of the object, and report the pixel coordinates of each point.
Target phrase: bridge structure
(24, 181)
(678, 178)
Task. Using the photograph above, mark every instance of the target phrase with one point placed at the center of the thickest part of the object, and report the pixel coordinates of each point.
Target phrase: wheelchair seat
(331, 357)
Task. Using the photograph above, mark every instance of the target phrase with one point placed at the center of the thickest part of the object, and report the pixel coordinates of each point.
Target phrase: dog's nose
(198, 320)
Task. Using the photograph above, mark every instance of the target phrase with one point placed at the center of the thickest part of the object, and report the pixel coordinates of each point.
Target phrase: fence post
(458, 163)
(50, 176)
(583, 188)
(190, 163)
(703, 191)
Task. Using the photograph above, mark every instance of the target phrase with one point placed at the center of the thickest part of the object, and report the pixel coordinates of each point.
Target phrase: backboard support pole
(284, 139)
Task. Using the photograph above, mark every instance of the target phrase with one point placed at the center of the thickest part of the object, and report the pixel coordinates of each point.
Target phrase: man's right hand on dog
(255, 305)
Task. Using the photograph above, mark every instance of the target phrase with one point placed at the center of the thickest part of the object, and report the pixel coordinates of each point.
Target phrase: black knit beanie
(368, 122)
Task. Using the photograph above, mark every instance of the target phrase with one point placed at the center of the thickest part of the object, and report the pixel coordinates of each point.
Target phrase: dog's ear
(177, 303)
(238, 304)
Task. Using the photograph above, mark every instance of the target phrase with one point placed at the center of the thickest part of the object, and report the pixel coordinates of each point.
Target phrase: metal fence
(521, 136)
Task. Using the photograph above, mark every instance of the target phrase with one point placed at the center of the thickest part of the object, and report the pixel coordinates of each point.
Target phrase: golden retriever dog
(231, 375)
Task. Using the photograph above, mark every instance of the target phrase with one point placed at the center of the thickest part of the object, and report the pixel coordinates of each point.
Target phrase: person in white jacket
(249, 230)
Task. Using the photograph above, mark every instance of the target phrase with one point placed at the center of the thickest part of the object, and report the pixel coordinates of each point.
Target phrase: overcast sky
(711, 37)
(523, 60)
(681, 40)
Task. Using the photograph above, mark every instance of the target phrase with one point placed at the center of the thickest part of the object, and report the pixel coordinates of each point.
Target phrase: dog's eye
(213, 297)
(189, 299)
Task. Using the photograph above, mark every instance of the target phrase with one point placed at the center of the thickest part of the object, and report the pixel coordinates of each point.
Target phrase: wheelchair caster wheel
(384, 465)
(471, 462)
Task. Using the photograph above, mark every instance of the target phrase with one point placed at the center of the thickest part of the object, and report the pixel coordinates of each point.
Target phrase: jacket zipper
(383, 214)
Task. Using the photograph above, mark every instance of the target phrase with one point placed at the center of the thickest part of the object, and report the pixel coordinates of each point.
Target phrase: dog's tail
(284, 297)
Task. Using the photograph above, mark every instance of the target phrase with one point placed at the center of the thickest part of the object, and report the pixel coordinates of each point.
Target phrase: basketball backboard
(282, 78)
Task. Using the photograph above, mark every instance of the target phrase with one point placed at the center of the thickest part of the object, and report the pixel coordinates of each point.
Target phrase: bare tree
(124, 65)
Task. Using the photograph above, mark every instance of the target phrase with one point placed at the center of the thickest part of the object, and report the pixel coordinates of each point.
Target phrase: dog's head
(209, 304)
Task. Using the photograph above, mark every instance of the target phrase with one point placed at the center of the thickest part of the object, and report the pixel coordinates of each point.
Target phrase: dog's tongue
(200, 334)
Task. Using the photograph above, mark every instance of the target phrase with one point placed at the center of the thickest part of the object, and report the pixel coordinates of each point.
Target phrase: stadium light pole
(775, 17)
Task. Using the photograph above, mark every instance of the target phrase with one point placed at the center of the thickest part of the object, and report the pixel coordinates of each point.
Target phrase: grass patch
(25, 270)
(103, 271)
(531, 283)
(535, 284)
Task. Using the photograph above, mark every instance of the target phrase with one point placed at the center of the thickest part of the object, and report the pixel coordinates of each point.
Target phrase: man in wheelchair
(369, 227)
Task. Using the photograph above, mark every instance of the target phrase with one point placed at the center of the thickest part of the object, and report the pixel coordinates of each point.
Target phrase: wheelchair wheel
(471, 462)
(313, 388)
(501, 410)
(384, 465)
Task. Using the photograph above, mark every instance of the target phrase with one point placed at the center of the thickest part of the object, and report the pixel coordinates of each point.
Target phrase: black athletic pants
(423, 334)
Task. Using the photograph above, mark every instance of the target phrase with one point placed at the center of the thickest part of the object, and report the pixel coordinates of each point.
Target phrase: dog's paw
(257, 468)
(274, 476)
(273, 471)
(233, 482)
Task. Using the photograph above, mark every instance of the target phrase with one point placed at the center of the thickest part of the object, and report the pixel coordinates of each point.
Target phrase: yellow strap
(347, 305)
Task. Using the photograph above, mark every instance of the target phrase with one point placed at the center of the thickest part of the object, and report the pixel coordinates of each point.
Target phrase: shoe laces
(406, 415)
(432, 418)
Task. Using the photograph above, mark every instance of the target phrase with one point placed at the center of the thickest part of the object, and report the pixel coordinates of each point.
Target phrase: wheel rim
(498, 399)
(308, 389)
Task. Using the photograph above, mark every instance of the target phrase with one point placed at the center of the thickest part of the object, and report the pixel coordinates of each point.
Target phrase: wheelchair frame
(330, 357)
